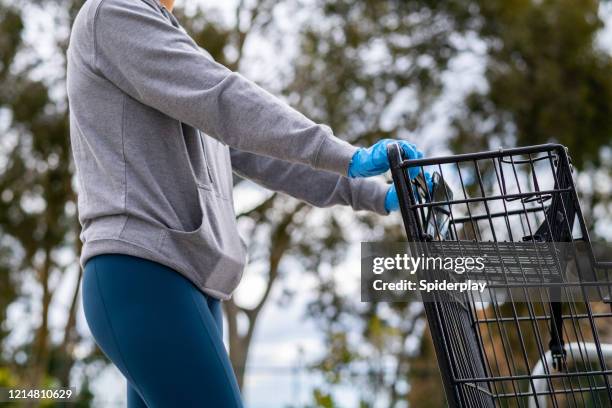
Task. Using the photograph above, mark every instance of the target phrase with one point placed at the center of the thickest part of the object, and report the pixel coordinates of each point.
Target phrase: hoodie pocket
(215, 249)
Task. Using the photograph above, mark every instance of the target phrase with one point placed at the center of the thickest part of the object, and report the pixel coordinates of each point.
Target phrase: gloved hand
(373, 160)
(391, 199)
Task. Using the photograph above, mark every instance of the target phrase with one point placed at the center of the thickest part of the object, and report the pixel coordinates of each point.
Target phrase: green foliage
(547, 79)
(426, 388)
(358, 61)
(6, 378)
(358, 56)
(323, 399)
(37, 203)
(11, 27)
(206, 30)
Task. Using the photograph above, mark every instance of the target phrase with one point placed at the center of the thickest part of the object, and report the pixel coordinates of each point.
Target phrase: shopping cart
(546, 348)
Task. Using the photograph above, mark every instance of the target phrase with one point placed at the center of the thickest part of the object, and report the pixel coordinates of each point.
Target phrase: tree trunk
(239, 343)
(40, 351)
(237, 357)
(71, 337)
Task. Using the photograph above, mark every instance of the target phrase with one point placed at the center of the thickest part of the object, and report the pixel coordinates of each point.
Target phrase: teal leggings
(163, 334)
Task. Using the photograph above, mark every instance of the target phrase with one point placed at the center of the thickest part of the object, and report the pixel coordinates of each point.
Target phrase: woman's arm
(318, 188)
(141, 52)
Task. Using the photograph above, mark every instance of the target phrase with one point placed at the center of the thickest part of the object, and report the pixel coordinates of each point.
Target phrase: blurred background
(450, 76)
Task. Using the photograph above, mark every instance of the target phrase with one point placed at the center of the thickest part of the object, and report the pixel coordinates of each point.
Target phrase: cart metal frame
(512, 353)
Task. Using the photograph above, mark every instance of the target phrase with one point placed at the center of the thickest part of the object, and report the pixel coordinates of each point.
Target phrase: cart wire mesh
(502, 350)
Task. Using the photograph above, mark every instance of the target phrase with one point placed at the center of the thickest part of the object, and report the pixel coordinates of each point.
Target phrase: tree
(37, 210)
(369, 69)
(272, 220)
(330, 82)
(372, 69)
(548, 81)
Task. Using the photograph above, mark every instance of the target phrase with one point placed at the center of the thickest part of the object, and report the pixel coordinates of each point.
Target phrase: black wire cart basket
(538, 338)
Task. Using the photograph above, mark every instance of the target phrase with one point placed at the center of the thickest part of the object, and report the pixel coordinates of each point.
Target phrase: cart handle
(427, 161)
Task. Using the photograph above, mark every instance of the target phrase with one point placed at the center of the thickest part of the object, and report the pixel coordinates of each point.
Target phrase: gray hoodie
(157, 127)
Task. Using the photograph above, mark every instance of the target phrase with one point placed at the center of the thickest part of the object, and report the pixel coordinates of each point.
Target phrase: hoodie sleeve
(139, 50)
(319, 188)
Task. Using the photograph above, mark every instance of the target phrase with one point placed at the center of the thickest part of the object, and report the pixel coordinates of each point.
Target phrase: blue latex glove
(373, 160)
(391, 199)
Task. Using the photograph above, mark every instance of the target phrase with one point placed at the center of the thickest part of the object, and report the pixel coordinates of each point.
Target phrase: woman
(157, 127)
